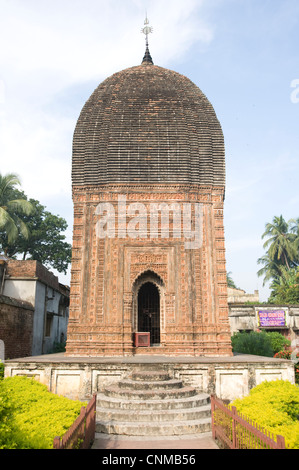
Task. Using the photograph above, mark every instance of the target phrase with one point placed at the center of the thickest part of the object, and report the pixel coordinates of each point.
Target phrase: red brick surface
(31, 269)
(148, 124)
(105, 273)
(16, 327)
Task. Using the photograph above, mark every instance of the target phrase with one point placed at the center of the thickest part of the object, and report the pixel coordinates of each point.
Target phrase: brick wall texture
(152, 136)
(16, 327)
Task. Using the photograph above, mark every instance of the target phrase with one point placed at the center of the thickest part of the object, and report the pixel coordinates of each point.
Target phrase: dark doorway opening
(149, 311)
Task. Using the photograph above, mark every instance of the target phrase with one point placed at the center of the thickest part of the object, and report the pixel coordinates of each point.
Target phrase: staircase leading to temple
(152, 404)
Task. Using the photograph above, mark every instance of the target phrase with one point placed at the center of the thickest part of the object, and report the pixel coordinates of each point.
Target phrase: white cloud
(82, 39)
(35, 148)
(53, 46)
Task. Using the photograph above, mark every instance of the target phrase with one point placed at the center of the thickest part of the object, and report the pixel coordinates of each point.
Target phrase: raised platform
(81, 377)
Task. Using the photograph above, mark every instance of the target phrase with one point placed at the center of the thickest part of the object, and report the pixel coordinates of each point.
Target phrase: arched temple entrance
(149, 311)
(148, 305)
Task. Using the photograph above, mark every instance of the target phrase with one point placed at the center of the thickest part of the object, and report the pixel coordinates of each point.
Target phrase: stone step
(150, 375)
(171, 416)
(193, 401)
(152, 394)
(149, 384)
(154, 428)
(151, 403)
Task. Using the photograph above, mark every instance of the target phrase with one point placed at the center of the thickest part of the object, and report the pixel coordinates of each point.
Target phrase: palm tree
(294, 226)
(230, 281)
(280, 242)
(294, 229)
(10, 209)
(271, 268)
(286, 288)
(288, 278)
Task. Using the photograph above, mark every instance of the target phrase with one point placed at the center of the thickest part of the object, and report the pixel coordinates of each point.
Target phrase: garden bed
(30, 416)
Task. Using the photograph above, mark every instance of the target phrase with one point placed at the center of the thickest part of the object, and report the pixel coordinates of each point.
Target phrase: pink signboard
(271, 318)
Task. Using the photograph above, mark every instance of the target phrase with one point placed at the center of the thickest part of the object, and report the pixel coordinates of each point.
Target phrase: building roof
(148, 124)
(33, 270)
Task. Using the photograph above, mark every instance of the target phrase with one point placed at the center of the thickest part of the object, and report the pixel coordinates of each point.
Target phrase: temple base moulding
(81, 377)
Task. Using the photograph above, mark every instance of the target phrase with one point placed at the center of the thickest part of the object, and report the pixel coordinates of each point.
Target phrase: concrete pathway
(192, 441)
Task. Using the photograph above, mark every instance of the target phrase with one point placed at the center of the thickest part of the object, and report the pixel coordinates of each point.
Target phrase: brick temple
(148, 286)
(148, 183)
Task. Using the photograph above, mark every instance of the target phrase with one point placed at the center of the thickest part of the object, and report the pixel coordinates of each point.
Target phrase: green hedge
(30, 416)
(256, 343)
(259, 343)
(275, 406)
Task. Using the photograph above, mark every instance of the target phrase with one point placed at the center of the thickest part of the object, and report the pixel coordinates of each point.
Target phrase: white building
(29, 281)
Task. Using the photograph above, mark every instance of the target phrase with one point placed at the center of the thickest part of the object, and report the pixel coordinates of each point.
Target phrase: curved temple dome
(148, 124)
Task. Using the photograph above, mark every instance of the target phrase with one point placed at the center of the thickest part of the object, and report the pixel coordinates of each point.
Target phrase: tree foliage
(281, 261)
(13, 209)
(44, 239)
(230, 281)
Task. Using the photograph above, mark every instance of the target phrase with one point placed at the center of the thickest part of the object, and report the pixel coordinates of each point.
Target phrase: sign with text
(271, 318)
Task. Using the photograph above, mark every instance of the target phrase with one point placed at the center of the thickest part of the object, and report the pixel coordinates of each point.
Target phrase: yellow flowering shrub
(275, 406)
(35, 415)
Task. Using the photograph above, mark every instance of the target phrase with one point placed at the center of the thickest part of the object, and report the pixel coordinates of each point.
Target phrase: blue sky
(243, 54)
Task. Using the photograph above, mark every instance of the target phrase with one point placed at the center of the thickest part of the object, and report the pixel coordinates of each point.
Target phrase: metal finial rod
(147, 30)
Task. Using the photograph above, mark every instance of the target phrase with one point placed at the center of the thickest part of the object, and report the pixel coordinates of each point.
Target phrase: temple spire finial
(147, 59)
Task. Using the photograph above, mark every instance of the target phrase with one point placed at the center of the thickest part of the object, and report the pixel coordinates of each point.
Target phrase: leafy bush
(284, 355)
(6, 410)
(287, 355)
(33, 416)
(256, 343)
(278, 341)
(259, 343)
(275, 406)
(1, 370)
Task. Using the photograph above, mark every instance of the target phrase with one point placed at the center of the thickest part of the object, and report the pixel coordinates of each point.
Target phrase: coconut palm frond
(24, 230)
(20, 206)
(7, 182)
(8, 225)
